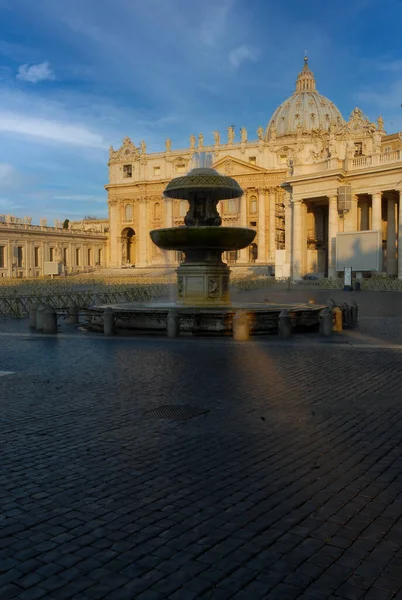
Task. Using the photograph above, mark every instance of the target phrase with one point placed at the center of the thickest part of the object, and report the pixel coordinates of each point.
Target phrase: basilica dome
(306, 109)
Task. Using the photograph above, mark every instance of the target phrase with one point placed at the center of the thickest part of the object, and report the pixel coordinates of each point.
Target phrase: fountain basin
(203, 238)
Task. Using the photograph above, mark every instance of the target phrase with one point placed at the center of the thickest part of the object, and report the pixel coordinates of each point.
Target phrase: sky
(78, 76)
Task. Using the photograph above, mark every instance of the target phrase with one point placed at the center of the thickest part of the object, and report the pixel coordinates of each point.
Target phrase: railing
(388, 157)
(19, 306)
(361, 161)
(52, 230)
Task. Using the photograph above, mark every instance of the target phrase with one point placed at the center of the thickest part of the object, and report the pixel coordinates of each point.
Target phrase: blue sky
(77, 76)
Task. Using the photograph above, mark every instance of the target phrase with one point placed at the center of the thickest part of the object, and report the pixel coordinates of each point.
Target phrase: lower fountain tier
(201, 319)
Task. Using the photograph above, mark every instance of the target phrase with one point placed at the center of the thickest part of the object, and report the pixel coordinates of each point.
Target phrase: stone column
(376, 218)
(400, 236)
(296, 254)
(272, 226)
(350, 221)
(288, 228)
(243, 255)
(333, 219)
(168, 212)
(262, 249)
(143, 233)
(114, 236)
(391, 237)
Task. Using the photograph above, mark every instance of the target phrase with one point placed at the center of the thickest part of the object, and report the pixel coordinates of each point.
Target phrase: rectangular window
(77, 257)
(358, 149)
(180, 168)
(253, 205)
(100, 256)
(2, 262)
(232, 206)
(387, 149)
(89, 256)
(157, 170)
(183, 207)
(20, 256)
(65, 256)
(36, 256)
(127, 170)
(252, 160)
(51, 254)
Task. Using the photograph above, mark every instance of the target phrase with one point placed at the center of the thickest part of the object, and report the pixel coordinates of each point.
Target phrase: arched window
(253, 204)
(128, 213)
(183, 208)
(157, 211)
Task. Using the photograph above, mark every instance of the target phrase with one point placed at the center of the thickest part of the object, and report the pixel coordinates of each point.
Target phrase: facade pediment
(233, 167)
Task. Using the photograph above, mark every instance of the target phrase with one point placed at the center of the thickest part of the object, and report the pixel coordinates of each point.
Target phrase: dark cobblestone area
(290, 486)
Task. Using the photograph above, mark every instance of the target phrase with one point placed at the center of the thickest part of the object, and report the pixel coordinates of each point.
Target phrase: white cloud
(238, 55)
(56, 131)
(5, 171)
(36, 73)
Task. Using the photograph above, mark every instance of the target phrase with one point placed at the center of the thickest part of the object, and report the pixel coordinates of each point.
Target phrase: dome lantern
(305, 80)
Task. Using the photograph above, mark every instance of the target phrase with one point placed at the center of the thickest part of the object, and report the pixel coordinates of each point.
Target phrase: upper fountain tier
(203, 187)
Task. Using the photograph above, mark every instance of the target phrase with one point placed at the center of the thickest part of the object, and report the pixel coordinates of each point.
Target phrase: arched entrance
(128, 246)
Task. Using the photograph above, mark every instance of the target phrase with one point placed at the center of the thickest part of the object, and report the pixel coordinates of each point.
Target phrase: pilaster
(143, 233)
(296, 260)
(262, 249)
(243, 223)
(333, 227)
(272, 226)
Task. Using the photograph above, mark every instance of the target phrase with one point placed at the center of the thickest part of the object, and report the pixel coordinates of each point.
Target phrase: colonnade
(367, 212)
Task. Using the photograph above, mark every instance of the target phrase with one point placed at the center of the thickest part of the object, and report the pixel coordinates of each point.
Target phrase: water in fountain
(202, 160)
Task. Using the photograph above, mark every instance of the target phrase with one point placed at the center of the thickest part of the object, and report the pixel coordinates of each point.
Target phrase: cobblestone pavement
(290, 486)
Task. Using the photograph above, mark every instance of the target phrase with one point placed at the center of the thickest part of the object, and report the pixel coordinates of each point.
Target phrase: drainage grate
(176, 412)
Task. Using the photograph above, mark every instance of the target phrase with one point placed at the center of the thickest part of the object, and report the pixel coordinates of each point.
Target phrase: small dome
(305, 109)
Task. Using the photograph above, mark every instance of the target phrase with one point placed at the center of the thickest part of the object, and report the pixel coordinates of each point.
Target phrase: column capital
(376, 194)
(332, 199)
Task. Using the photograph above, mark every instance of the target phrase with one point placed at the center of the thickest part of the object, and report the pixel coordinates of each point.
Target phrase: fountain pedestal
(203, 284)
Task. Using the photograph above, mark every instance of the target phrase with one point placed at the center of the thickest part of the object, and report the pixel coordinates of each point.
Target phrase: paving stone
(291, 479)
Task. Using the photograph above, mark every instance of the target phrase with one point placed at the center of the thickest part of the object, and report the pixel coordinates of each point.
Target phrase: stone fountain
(203, 278)
(202, 303)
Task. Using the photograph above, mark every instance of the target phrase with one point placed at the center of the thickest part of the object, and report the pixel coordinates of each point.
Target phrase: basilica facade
(307, 176)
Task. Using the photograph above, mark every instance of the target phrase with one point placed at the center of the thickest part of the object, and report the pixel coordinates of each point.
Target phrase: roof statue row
(306, 114)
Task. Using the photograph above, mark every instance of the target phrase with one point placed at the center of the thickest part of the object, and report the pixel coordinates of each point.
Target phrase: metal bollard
(32, 317)
(108, 321)
(72, 318)
(241, 326)
(337, 324)
(173, 323)
(325, 321)
(284, 324)
(39, 317)
(347, 315)
(355, 313)
(49, 320)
